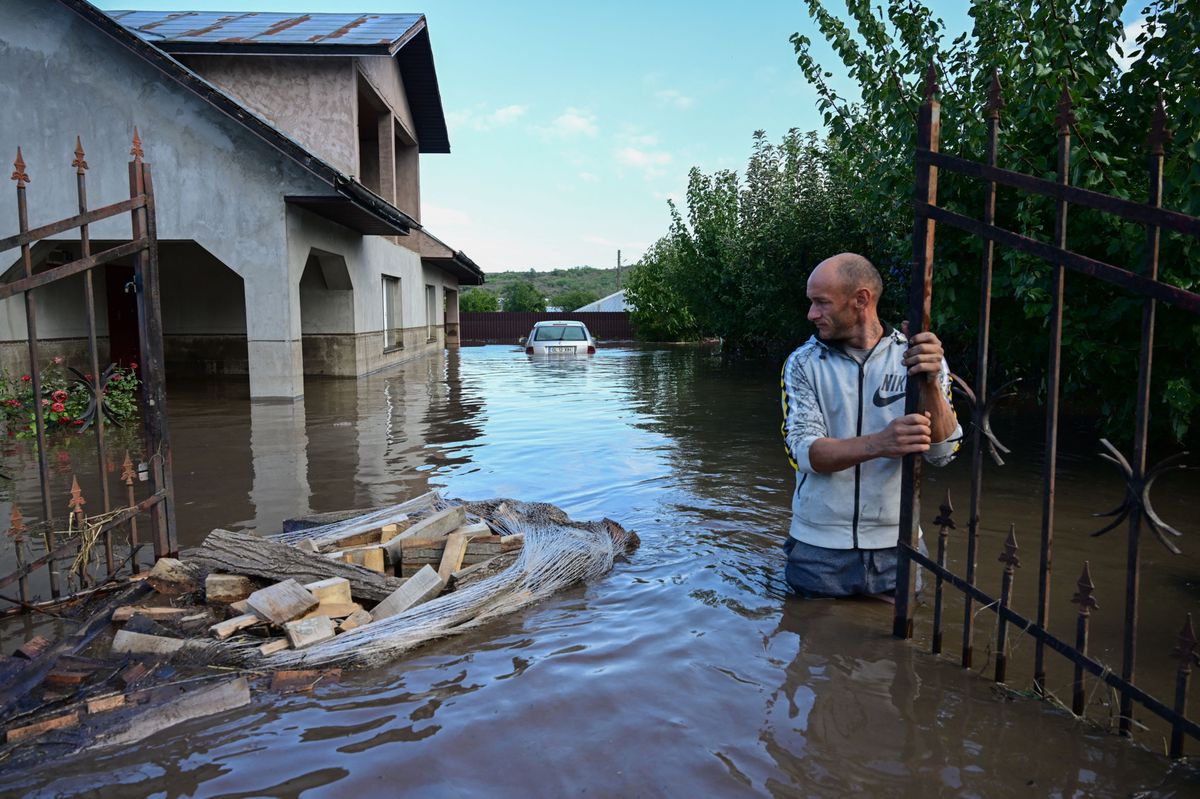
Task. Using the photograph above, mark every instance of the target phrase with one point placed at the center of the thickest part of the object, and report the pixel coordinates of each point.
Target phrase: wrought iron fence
(1135, 510)
(72, 544)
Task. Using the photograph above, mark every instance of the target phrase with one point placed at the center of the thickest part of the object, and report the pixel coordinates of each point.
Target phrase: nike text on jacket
(828, 394)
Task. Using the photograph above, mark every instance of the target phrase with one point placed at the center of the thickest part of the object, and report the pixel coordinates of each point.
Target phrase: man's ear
(862, 299)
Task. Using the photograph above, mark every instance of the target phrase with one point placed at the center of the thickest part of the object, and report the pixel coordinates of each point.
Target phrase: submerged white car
(559, 338)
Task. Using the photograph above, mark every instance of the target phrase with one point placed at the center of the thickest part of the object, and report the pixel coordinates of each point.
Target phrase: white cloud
(650, 162)
(1129, 43)
(674, 98)
(573, 122)
(478, 117)
(588, 177)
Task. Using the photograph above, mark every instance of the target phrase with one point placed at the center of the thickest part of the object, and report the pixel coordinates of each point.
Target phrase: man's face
(832, 308)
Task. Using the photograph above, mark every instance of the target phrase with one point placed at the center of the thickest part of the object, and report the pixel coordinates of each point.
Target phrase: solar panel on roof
(233, 28)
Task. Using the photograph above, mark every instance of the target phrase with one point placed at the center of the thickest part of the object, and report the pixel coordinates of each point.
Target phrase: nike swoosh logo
(882, 401)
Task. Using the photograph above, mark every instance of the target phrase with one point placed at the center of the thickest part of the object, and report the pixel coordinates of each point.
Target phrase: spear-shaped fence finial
(1066, 114)
(1185, 650)
(995, 101)
(79, 163)
(77, 501)
(1160, 134)
(1083, 597)
(136, 150)
(1009, 556)
(127, 473)
(945, 513)
(16, 525)
(931, 84)
(19, 174)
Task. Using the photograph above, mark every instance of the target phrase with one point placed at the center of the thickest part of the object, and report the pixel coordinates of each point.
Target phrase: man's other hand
(907, 434)
(924, 354)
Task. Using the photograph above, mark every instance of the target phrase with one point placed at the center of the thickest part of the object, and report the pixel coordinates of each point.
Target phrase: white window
(430, 312)
(393, 337)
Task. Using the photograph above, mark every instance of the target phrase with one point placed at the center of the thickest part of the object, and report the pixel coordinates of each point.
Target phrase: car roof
(558, 322)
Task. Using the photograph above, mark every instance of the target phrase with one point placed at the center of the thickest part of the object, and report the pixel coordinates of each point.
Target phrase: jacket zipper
(858, 432)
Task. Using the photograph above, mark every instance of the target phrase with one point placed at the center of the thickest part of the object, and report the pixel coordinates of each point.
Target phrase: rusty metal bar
(1083, 597)
(127, 475)
(979, 409)
(945, 524)
(89, 297)
(75, 267)
(1092, 666)
(1066, 119)
(1186, 652)
(1159, 135)
(65, 548)
(919, 293)
(63, 225)
(16, 531)
(20, 176)
(1011, 561)
(1127, 209)
(1136, 284)
(158, 452)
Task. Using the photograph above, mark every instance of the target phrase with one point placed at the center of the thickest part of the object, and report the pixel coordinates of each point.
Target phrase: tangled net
(557, 553)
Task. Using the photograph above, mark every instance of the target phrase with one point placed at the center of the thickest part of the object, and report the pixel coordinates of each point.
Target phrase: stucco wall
(383, 74)
(216, 183)
(309, 99)
(368, 259)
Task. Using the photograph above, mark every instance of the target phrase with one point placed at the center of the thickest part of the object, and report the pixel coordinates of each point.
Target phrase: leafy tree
(659, 312)
(1037, 47)
(523, 296)
(573, 299)
(478, 300)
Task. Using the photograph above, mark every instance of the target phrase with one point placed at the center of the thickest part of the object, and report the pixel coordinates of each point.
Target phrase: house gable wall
(311, 100)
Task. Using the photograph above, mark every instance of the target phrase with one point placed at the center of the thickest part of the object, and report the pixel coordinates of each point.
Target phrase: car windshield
(560, 333)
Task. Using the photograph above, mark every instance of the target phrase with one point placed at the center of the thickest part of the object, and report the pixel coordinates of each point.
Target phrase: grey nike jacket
(828, 394)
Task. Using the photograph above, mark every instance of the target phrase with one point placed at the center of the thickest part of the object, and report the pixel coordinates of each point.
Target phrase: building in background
(286, 159)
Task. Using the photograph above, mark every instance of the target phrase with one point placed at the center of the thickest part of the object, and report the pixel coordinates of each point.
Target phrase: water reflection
(683, 672)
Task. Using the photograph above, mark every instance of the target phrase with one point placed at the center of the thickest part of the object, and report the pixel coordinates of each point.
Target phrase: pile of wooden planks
(335, 584)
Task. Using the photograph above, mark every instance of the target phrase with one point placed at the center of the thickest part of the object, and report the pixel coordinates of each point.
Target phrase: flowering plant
(66, 399)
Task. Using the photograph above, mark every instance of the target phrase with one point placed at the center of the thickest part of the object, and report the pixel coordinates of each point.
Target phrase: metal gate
(51, 545)
(1135, 508)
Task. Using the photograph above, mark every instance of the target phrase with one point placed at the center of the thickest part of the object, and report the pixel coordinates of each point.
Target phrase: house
(286, 157)
(614, 302)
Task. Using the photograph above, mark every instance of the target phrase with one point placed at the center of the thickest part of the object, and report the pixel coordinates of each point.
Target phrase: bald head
(853, 272)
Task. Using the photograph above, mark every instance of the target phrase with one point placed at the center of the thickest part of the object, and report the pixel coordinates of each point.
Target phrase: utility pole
(618, 270)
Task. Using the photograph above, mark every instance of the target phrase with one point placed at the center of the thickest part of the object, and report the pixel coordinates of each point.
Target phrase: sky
(572, 124)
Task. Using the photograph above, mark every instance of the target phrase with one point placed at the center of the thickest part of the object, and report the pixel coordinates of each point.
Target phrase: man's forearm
(941, 415)
(829, 455)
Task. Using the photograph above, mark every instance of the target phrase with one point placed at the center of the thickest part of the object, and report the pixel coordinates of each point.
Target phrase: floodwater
(686, 671)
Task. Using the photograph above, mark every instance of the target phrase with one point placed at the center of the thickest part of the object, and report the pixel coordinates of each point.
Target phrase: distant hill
(600, 282)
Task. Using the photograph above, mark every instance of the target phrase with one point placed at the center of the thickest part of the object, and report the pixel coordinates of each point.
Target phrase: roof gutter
(366, 199)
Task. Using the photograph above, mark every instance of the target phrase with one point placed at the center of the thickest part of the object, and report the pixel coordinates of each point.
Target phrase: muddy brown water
(687, 671)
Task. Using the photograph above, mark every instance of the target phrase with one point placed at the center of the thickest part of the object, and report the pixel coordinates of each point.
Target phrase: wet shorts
(819, 572)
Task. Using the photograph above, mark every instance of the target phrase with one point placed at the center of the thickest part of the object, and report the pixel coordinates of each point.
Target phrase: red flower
(133, 364)
(58, 407)
(45, 402)
(64, 419)
(25, 378)
(59, 396)
(79, 422)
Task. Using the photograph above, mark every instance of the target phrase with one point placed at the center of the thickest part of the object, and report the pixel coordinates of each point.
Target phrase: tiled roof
(189, 30)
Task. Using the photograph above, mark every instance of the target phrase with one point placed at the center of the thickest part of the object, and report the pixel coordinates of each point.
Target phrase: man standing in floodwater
(846, 432)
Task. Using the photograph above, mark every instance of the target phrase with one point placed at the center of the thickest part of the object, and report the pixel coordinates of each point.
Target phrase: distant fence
(508, 326)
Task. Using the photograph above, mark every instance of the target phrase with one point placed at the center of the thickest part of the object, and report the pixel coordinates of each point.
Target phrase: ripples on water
(684, 672)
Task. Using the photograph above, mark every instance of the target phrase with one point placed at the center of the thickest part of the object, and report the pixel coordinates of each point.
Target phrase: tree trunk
(246, 553)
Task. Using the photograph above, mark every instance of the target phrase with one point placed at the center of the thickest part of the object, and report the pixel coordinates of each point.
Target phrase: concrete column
(453, 337)
(273, 335)
(387, 157)
(279, 449)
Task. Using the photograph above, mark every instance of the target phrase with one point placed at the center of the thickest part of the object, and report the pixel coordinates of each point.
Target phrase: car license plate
(561, 349)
